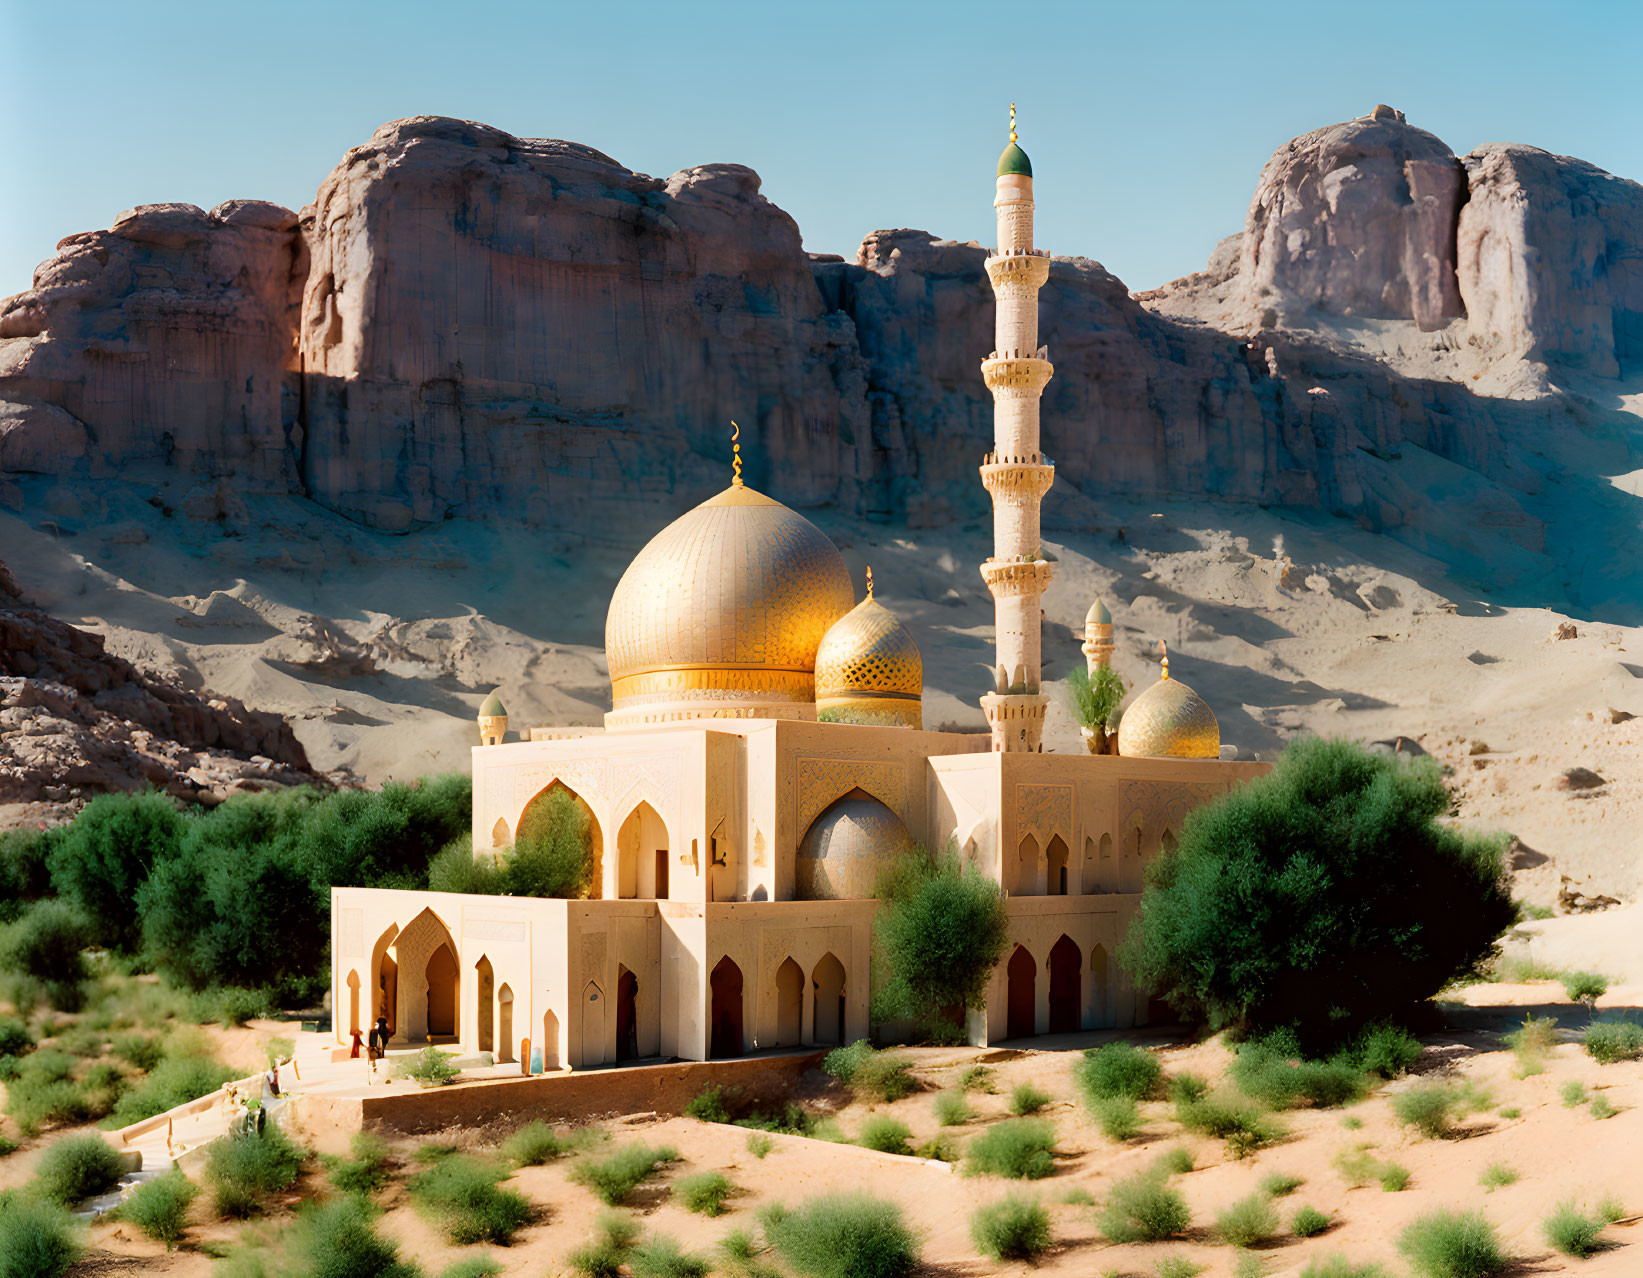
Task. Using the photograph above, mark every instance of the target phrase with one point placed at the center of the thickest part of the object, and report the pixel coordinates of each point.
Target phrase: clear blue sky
(1148, 121)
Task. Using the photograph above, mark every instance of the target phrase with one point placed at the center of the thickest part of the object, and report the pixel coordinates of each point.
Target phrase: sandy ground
(1559, 1152)
(1286, 624)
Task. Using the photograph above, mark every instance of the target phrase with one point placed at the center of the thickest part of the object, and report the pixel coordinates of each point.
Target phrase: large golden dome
(720, 615)
(868, 669)
(1169, 721)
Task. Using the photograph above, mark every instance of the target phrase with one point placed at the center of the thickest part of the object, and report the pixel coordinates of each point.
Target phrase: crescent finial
(735, 456)
(1012, 121)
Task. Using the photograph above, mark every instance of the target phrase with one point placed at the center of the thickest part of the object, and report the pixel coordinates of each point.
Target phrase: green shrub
(1449, 1244)
(1351, 1122)
(619, 1173)
(871, 1074)
(758, 1144)
(1430, 1110)
(99, 862)
(1239, 1122)
(552, 854)
(1385, 1050)
(1496, 1176)
(76, 1168)
(364, 1173)
(1094, 697)
(532, 1145)
(1341, 1267)
(941, 927)
(1360, 1167)
(1585, 987)
(704, 1194)
(1393, 1177)
(482, 1266)
(952, 1109)
(38, 1238)
(1077, 1196)
(844, 1236)
(455, 868)
(976, 1078)
(245, 1171)
(174, 1081)
(1185, 1087)
(1272, 1071)
(1326, 895)
(47, 946)
(1609, 1041)
(339, 1239)
(661, 1257)
(1014, 1229)
(463, 1195)
(159, 1207)
(1308, 1222)
(15, 1038)
(1178, 1266)
(1511, 1111)
(1280, 1184)
(430, 1067)
(1118, 1069)
(1118, 1117)
(1532, 1041)
(7, 1146)
(140, 1051)
(885, 1134)
(708, 1105)
(1020, 1148)
(1026, 1100)
(1574, 1233)
(1248, 1221)
(1574, 1093)
(1176, 1161)
(25, 869)
(1143, 1209)
(604, 1256)
(1602, 1109)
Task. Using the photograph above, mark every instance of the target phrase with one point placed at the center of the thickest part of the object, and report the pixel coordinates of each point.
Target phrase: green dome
(1014, 160)
(1098, 614)
(492, 707)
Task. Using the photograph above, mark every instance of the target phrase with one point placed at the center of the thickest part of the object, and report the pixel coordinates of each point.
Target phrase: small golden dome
(1169, 721)
(721, 614)
(868, 669)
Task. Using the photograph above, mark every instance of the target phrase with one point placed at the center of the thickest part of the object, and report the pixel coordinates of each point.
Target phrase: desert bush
(615, 1235)
(364, 1173)
(1450, 1244)
(47, 946)
(1532, 1041)
(844, 1236)
(885, 1134)
(1360, 1167)
(1027, 1100)
(1574, 1093)
(1273, 1071)
(99, 862)
(661, 1257)
(1020, 1148)
(1014, 1229)
(1280, 1184)
(1348, 900)
(140, 1051)
(708, 1105)
(15, 1038)
(869, 1073)
(553, 851)
(1118, 1117)
(1607, 1042)
(1601, 1108)
(7, 1146)
(1118, 1069)
(1076, 1196)
(704, 1194)
(463, 1195)
(1175, 1161)
(38, 1238)
(1573, 1232)
(1248, 1221)
(245, 1171)
(1178, 1266)
(952, 1109)
(619, 1173)
(25, 869)
(76, 1168)
(1241, 1123)
(1308, 1222)
(159, 1207)
(455, 868)
(1497, 1175)
(1386, 1050)
(758, 1144)
(1430, 1109)
(976, 1078)
(532, 1145)
(1585, 987)
(174, 1081)
(1186, 1087)
(1341, 1267)
(942, 1148)
(1143, 1209)
(482, 1266)
(430, 1067)
(1094, 697)
(339, 1239)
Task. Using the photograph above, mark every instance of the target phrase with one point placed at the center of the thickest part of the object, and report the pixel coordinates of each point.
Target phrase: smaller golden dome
(1169, 721)
(868, 669)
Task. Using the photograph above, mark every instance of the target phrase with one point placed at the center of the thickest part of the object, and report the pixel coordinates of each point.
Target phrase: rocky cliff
(469, 324)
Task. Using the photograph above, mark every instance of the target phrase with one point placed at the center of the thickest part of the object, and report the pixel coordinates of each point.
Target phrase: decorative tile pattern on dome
(1169, 721)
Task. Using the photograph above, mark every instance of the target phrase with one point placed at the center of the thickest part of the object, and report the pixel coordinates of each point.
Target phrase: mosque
(764, 757)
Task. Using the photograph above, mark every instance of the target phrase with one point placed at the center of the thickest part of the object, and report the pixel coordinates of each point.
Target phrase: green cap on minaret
(492, 707)
(1014, 159)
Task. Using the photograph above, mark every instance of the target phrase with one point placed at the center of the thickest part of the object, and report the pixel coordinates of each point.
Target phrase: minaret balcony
(1016, 576)
(1016, 482)
(1018, 268)
(1030, 373)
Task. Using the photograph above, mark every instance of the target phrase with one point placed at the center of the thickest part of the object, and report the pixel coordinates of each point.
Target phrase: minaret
(1097, 638)
(1015, 472)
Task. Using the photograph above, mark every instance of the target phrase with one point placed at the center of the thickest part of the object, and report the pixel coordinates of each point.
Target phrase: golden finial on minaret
(1012, 121)
(735, 456)
(869, 581)
(1165, 650)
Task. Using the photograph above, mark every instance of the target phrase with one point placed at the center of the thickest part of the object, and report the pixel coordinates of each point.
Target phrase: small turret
(493, 720)
(1097, 637)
